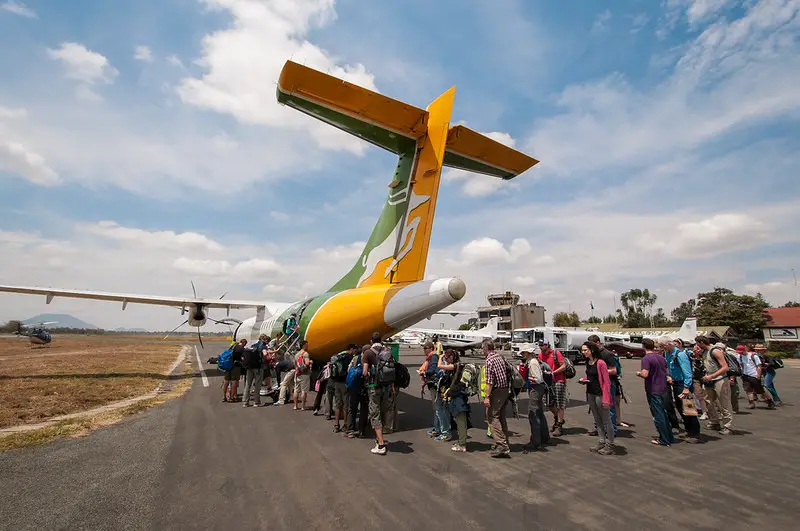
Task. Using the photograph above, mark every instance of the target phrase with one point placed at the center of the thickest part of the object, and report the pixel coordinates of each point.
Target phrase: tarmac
(199, 463)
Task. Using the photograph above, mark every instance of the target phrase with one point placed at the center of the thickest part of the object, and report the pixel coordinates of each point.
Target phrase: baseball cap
(543, 342)
(740, 349)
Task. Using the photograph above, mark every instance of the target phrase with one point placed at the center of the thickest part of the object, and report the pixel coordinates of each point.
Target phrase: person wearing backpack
(716, 385)
(456, 395)
(751, 378)
(770, 364)
(557, 399)
(611, 363)
(357, 396)
(446, 366)
(230, 383)
(537, 389)
(253, 362)
(302, 376)
(378, 373)
(428, 372)
(497, 397)
(338, 377)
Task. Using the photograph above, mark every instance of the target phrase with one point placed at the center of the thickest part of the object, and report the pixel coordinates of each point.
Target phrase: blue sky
(141, 146)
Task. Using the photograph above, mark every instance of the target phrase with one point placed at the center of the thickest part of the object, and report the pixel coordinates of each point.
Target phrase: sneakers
(704, 416)
(597, 447)
(725, 431)
(379, 449)
(443, 437)
(433, 433)
(607, 449)
(458, 448)
(502, 454)
(279, 403)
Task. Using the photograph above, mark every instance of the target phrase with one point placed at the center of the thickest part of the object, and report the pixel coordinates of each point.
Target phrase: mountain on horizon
(62, 320)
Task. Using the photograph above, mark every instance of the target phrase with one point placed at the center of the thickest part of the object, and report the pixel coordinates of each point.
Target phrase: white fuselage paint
(420, 300)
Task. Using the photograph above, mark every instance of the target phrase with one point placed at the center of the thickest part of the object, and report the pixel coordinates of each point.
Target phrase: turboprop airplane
(461, 339)
(385, 290)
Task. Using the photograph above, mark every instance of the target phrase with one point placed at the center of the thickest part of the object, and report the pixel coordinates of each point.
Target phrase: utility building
(511, 312)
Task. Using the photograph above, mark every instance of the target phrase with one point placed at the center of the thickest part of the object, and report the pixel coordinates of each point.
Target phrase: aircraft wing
(453, 312)
(126, 298)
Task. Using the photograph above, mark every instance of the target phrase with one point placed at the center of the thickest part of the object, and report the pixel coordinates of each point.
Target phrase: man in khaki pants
(497, 395)
(716, 385)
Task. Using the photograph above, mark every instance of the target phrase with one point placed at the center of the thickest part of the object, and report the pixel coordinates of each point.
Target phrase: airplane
(385, 290)
(461, 340)
(632, 347)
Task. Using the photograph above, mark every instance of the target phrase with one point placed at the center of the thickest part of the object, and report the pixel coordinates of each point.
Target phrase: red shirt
(548, 359)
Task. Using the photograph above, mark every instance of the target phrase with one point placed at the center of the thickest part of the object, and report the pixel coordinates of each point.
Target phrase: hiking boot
(725, 431)
(597, 447)
(692, 440)
(379, 450)
(751, 405)
(607, 449)
(770, 405)
(502, 454)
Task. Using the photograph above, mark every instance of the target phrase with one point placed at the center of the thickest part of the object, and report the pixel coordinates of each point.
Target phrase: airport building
(511, 312)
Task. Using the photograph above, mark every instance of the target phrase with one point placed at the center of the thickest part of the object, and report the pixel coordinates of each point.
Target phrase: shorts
(378, 405)
(752, 385)
(302, 383)
(339, 392)
(557, 397)
(233, 374)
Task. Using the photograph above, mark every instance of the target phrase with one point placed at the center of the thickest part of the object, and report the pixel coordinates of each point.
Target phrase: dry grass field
(37, 384)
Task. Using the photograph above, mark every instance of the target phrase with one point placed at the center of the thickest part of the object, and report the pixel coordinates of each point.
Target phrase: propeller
(227, 321)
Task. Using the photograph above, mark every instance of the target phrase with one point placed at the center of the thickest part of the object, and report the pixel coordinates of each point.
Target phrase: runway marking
(200, 364)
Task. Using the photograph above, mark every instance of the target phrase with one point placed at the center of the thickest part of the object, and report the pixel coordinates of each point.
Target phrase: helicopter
(37, 334)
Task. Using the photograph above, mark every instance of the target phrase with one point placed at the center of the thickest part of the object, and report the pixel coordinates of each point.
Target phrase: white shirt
(750, 363)
(535, 370)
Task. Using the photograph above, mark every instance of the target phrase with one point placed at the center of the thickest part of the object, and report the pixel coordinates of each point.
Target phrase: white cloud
(83, 64)
(601, 21)
(714, 87)
(18, 8)
(199, 267)
(339, 253)
(17, 158)
(240, 62)
(477, 185)
(145, 238)
(524, 281)
(491, 251)
(7, 113)
(143, 53)
(718, 234)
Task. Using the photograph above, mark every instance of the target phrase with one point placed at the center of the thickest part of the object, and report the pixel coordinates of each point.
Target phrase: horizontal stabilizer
(471, 151)
(386, 122)
(392, 124)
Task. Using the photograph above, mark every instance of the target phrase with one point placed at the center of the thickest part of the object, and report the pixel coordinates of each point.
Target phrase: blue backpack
(225, 360)
(355, 377)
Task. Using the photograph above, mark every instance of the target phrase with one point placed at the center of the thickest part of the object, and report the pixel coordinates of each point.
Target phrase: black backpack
(402, 376)
(385, 369)
(339, 364)
(251, 359)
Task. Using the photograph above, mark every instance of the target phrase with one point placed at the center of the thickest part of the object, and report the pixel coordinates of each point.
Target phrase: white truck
(558, 337)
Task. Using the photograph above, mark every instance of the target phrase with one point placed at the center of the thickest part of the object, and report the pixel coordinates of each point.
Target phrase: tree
(565, 319)
(11, 327)
(745, 314)
(686, 309)
(594, 320)
(638, 305)
(610, 318)
(791, 304)
(465, 326)
(661, 319)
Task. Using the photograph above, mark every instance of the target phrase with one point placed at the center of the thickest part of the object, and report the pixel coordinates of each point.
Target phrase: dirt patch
(82, 425)
(39, 384)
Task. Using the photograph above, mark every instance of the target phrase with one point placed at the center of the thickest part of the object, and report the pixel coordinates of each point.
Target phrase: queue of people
(359, 385)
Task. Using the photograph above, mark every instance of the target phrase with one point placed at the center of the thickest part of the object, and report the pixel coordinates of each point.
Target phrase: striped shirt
(496, 371)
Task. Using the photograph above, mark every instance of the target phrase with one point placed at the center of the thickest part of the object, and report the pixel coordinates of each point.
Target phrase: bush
(784, 349)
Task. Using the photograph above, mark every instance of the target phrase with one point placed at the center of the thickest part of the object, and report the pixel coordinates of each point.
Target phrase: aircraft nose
(457, 288)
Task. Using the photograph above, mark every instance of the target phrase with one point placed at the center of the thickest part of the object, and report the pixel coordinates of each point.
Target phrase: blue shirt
(680, 367)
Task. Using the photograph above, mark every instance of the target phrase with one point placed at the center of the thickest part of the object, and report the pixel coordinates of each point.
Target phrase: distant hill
(62, 321)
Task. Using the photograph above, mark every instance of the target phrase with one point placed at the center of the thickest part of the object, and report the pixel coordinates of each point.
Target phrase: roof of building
(613, 328)
(784, 317)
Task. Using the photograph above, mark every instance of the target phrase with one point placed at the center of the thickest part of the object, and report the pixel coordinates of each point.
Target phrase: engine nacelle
(197, 316)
